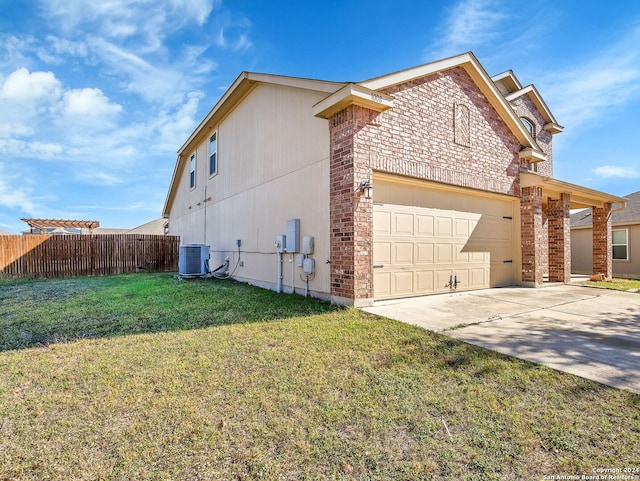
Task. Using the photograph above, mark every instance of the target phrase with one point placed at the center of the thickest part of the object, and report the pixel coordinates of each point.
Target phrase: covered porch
(545, 209)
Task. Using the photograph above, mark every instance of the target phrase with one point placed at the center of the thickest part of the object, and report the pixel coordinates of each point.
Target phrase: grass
(616, 284)
(195, 380)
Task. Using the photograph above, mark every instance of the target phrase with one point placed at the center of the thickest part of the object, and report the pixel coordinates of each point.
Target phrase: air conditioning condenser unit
(193, 260)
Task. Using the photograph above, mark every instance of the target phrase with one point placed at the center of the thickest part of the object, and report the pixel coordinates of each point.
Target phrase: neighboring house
(461, 169)
(61, 227)
(625, 239)
(155, 227)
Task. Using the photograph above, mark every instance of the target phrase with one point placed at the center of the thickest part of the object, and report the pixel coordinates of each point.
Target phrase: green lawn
(147, 377)
(617, 284)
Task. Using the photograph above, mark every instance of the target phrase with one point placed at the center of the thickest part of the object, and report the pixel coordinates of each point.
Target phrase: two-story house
(427, 180)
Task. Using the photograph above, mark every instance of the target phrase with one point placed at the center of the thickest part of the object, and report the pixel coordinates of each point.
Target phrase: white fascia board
(580, 196)
(508, 78)
(532, 155)
(352, 94)
(541, 105)
(402, 76)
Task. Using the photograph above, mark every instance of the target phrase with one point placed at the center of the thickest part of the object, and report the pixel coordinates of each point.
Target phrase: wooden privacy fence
(86, 255)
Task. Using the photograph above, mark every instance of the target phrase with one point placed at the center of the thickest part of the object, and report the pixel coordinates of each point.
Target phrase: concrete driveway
(590, 332)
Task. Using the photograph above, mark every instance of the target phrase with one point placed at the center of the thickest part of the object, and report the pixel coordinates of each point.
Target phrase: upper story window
(529, 126)
(192, 171)
(213, 154)
(620, 244)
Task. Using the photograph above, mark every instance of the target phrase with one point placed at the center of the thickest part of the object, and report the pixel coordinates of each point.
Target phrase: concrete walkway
(590, 332)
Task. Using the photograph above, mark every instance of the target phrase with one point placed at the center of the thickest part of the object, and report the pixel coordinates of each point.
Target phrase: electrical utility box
(281, 243)
(307, 245)
(309, 266)
(293, 236)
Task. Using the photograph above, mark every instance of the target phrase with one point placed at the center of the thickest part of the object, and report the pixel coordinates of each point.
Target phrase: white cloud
(15, 194)
(469, 23)
(94, 177)
(22, 86)
(609, 171)
(174, 126)
(148, 21)
(612, 77)
(89, 102)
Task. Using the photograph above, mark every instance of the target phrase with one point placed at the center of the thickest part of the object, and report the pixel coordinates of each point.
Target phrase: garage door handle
(378, 266)
(508, 262)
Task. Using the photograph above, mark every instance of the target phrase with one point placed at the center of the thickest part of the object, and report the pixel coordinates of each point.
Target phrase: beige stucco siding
(272, 166)
(582, 253)
(630, 268)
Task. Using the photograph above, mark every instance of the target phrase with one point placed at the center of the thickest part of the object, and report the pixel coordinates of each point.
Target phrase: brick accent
(525, 107)
(417, 136)
(602, 251)
(532, 235)
(350, 215)
(441, 128)
(559, 229)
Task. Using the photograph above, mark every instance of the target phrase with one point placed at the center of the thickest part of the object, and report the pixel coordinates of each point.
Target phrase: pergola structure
(40, 225)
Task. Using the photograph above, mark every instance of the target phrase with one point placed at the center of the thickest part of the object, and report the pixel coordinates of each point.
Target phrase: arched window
(529, 126)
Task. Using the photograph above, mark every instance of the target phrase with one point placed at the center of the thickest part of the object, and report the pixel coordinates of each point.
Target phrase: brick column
(560, 239)
(602, 251)
(531, 236)
(350, 215)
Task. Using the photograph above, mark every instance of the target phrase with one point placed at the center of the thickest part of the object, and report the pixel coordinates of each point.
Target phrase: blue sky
(96, 96)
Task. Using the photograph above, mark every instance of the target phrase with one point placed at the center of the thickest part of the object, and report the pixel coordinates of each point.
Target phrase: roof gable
(470, 64)
(507, 82)
(551, 125)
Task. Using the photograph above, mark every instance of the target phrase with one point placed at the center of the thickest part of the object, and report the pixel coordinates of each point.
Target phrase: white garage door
(421, 250)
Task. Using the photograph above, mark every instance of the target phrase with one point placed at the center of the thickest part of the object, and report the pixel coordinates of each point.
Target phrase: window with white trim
(529, 126)
(192, 171)
(213, 154)
(620, 244)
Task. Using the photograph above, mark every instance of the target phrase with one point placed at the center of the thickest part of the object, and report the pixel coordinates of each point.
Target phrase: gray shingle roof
(630, 215)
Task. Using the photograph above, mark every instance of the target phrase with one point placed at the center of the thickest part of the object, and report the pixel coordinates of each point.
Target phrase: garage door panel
(403, 282)
(424, 227)
(478, 278)
(424, 282)
(381, 222)
(424, 253)
(382, 283)
(461, 228)
(382, 252)
(403, 253)
(442, 280)
(444, 253)
(502, 275)
(425, 247)
(444, 226)
(460, 255)
(403, 224)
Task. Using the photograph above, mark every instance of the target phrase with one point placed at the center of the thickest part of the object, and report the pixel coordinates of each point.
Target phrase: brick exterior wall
(350, 214)
(417, 136)
(559, 218)
(602, 251)
(532, 233)
(441, 128)
(524, 107)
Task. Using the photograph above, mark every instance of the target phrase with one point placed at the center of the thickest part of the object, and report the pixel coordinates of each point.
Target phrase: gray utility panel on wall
(293, 235)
